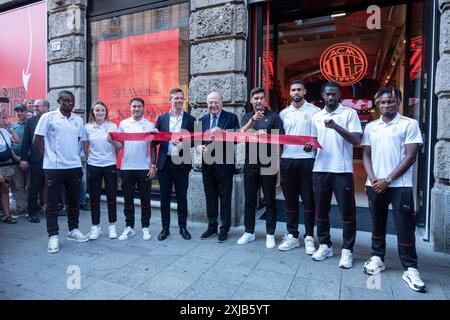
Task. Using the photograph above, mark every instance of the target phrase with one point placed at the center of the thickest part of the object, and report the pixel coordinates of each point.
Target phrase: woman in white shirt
(7, 135)
(100, 151)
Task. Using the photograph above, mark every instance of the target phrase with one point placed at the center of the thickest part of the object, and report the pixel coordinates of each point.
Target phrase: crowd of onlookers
(22, 187)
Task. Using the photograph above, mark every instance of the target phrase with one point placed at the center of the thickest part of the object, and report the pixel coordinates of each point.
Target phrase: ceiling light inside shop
(336, 15)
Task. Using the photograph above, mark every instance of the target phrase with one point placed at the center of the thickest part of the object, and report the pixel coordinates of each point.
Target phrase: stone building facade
(218, 34)
(440, 205)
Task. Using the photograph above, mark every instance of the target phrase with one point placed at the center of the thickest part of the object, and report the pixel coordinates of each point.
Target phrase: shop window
(142, 54)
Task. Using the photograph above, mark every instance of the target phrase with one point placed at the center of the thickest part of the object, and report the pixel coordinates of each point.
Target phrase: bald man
(217, 174)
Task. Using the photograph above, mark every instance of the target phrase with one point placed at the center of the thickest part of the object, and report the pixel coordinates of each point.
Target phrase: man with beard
(337, 128)
(296, 169)
(390, 146)
(263, 121)
(137, 168)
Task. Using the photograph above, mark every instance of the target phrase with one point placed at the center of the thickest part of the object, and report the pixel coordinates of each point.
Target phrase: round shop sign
(343, 63)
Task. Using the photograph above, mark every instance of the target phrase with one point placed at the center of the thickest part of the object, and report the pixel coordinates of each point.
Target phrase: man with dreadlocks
(390, 146)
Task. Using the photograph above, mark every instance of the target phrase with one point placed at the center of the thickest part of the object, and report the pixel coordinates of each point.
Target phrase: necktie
(214, 122)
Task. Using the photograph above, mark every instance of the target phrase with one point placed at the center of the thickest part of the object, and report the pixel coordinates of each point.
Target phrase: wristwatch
(388, 179)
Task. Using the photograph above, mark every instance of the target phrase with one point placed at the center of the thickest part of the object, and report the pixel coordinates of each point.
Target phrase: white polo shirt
(136, 154)
(101, 152)
(174, 126)
(61, 139)
(387, 143)
(298, 122)
(336, 154)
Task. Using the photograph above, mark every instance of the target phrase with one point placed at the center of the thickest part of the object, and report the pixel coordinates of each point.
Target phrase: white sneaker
(127, 233)
(76, 235)
(112, 231)
(95, 232)
(374, 265)
(322, 253)
(346, 261)
(270, 241)
(146, 234)
(310, 248)
(412, 278)
(53, 244)
(246, 238)
(289, 242)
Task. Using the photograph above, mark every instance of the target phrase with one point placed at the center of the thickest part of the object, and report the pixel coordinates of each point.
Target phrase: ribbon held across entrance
(222, 136)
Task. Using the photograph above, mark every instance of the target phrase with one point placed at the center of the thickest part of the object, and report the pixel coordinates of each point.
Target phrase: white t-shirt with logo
(136, 154)
(101, 152)
(298, 122)
(388, 147)
(61, 139)
(336, 155)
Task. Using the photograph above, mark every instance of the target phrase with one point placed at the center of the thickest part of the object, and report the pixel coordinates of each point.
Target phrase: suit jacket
(29, 151)
(227, 120)
(163, 125)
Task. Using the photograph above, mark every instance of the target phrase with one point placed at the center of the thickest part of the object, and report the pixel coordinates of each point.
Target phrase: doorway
(362, 50)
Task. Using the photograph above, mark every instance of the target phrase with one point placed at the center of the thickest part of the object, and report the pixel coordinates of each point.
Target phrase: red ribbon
(222, 136)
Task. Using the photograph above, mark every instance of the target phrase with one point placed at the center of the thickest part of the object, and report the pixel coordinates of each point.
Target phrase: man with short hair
(296, 170)
(21, 177)
(137, 167)
(390, 146)
(32, 160)
(218, 175)
(58, 133)
(263, 121)
(172, 173)
(338, 129)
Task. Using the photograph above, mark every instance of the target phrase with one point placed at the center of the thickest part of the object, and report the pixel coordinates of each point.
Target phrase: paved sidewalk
(198, 269)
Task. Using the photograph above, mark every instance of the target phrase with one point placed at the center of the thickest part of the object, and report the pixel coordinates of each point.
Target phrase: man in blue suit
(172, 170)
(218, 173)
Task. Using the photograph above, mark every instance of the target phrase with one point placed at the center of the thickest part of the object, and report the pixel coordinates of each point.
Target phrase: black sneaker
(223, 236)
(208, 233)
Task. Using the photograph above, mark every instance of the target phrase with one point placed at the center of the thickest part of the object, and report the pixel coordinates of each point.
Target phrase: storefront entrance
(362, 48)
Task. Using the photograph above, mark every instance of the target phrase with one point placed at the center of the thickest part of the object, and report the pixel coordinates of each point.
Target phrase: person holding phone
(296, 170)
(7, 136)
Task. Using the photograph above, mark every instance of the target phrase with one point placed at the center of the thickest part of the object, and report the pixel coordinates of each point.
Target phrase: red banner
(222, 136)
(23, 61)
